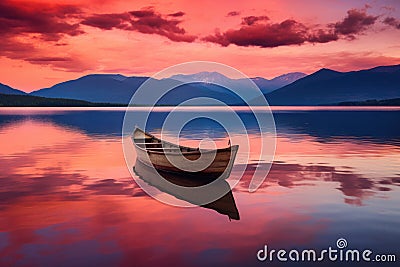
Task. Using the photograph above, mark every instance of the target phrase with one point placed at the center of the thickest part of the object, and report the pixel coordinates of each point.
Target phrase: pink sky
(47, 42)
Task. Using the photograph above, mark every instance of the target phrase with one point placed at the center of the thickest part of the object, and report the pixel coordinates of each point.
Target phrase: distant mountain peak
(290, 77)
(204, 76)
(326, 70)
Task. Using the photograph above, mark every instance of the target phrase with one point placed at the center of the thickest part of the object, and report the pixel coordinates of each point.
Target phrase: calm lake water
(68, 199)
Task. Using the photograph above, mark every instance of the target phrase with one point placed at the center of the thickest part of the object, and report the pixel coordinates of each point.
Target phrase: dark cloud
(322, 36)
(23, 25)
(288, 32)
(355, 22)
(68, 63)
(250, 20)
(50, 22)
(47, 59)
(258, 31)
(151, 22)
(392, 22)
(145, 21)
(107, 21)
(143, 13)
(233, 14)
(15, 49)
(12, 48)
(177, 14)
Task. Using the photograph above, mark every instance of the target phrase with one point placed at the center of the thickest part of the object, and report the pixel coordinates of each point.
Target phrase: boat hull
(210, 163)
(221, 162)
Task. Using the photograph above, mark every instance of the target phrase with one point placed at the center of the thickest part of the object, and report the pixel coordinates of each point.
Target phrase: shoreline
(216, 108)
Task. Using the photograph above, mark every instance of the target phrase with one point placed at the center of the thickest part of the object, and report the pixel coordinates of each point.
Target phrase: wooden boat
(225, 205)
(159, 154)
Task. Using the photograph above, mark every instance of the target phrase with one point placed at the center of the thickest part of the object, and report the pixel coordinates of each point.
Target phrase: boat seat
(148, 143)
(142, 139)
(164, 148)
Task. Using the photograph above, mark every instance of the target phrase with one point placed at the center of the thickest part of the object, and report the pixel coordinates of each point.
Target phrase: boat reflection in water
(225, 205)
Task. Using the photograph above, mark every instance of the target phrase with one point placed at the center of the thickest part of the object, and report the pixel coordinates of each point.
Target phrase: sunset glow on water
(67, 197)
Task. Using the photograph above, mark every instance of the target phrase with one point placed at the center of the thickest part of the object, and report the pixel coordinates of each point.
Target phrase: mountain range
(265, 85)
(324, 87)
(116, 88)
(119, 89)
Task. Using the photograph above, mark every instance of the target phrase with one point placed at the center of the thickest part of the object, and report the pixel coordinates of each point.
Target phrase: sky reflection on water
(67, 198)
